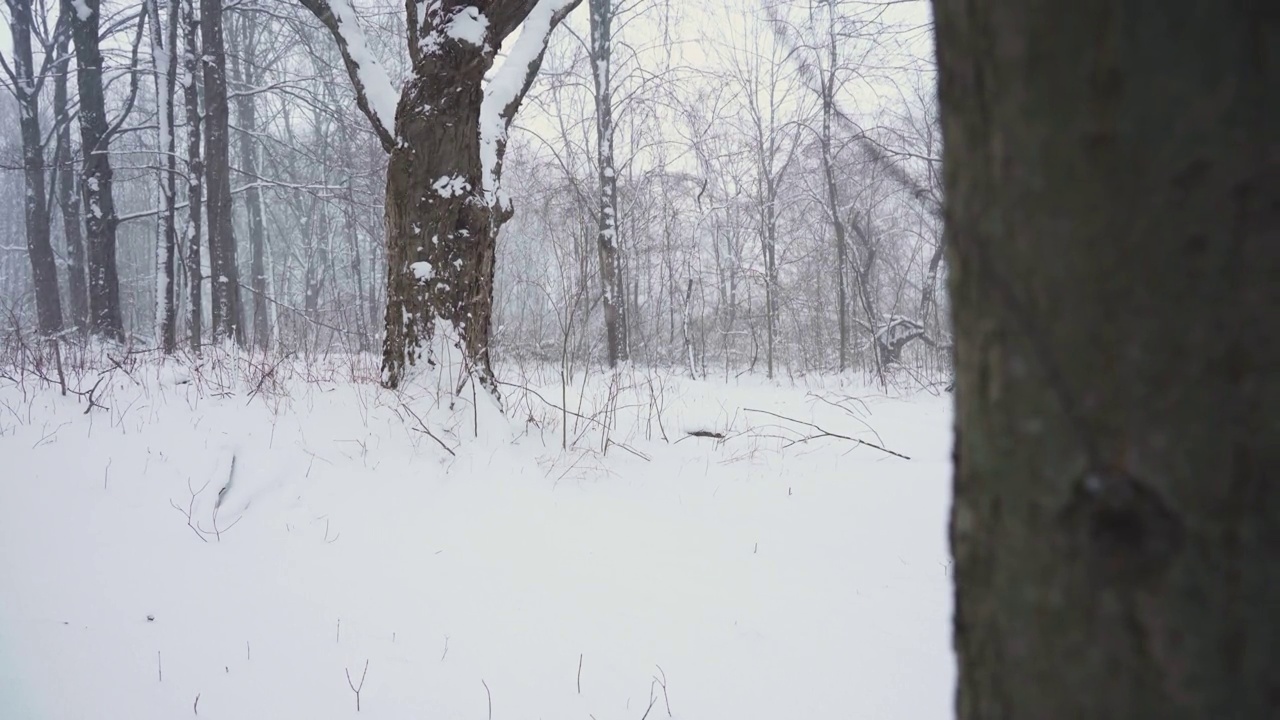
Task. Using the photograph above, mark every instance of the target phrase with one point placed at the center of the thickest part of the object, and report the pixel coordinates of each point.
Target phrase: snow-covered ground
(691, 578)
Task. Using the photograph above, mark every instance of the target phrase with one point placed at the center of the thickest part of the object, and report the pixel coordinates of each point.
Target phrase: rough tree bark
(26, 83)
(444, 206)
(195, 168)
(105, 318)
(611, 281)
(1113, 207)
(227, 316)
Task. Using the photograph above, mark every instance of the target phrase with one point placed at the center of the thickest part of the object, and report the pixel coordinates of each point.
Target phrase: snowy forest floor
(230, 538)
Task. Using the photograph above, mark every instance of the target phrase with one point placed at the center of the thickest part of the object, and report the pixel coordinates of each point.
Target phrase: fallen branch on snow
(821, 432)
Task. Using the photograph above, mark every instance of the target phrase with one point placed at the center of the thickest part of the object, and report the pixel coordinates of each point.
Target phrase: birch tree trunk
(1113, 208)
(195, 168)
(164, 54)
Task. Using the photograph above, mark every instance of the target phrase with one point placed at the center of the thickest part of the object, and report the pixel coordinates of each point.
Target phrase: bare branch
(367, 76)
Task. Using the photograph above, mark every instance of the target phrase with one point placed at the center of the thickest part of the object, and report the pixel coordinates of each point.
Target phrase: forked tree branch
(375, 95)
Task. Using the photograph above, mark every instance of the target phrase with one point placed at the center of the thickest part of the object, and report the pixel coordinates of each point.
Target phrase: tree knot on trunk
(1120, 528)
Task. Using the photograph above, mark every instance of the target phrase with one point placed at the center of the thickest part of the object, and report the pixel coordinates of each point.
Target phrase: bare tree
(611, 281)
(68, 188)
(26, 82)
(96, 175)
(446, 134)
(164, 52)
(247, 73)
(758, 68)
(227, 318)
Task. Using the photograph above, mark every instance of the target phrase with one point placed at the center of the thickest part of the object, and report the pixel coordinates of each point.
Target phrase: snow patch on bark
(468, 25)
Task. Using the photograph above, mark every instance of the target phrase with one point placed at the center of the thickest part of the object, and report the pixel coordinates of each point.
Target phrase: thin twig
(822, 432)
(357, 688)
(666, 699)
(422, 428)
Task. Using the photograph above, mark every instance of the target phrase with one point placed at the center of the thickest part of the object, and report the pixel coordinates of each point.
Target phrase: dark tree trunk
(96, 176)
(69, 193)
(611, 282)
(1113, 208)
(223, 270)
(26, 90)
(195, 168)
(440, 246)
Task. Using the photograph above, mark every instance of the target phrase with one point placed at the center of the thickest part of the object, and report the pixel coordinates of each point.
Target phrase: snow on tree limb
(508, 86)
(375, 95)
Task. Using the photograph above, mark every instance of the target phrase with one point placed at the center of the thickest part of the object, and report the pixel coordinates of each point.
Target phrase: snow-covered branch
(375, 95)
(511, 82)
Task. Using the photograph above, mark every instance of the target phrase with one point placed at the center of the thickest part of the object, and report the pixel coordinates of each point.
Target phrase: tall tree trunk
(164, 55)
(768, 250)
(840, 233)
(195, 167)
(69, 192)
(1113, 208)
(317, 271)
(826, 141)
(26, 90)
(96, 181)
(247, 76)
(611, 282)
(357, 263)
(227, 321)
(929, 292)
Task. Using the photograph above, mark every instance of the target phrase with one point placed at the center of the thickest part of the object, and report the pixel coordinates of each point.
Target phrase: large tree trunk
(444, 203)
(440, 235)
(223, 270)
(611, 282)
(26, 90)
(195, 168)
(96, 175)
(1113, 207)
